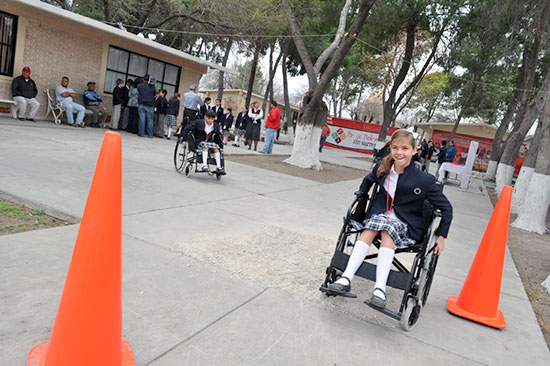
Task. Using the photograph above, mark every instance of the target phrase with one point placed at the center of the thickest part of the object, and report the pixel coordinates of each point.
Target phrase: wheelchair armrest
(437, 213)
(361, 193)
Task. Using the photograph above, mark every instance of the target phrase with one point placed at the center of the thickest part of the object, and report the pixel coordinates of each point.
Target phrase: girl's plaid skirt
(203, 145)
(170, 120)
(395, 227)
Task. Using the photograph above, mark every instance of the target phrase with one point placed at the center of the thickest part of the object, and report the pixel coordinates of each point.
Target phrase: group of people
(139, 108)
(443, 152)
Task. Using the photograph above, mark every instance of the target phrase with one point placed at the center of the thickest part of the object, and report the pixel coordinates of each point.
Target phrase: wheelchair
(414, 281)
(187, 159)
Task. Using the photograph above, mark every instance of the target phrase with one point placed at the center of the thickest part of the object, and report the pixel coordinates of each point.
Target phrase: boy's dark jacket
(413, 187)
(197, 128)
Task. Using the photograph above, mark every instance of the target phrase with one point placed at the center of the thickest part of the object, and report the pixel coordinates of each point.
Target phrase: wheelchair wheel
(218, 176)
(411, 313)
(180, 154)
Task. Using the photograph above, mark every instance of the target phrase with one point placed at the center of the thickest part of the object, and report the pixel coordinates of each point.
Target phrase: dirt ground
(331, 173)
(16, 218)
(530, 254)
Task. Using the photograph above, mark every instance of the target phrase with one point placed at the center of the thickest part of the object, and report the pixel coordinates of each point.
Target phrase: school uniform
(219, 114)
(227, 123)
(254, 124)
(240, 124)
(203, 139)
(204, 108)
(411, 188)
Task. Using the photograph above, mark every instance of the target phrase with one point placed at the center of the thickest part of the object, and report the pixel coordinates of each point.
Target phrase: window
(8, 30)
(126, 65)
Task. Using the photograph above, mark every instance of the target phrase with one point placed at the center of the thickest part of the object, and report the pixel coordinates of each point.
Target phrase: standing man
(441, 157)
(272, 124)
(118, 102)
(65, 95)
(92, 101)
(205, 107)
(125, 111)
(146, 108)
(24, 92)
(191, 103)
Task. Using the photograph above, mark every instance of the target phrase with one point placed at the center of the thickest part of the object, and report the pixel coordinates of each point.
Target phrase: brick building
(54, 42)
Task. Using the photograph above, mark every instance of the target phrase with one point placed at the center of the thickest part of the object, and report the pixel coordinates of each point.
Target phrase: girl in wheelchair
(207, 136)
(395, 214)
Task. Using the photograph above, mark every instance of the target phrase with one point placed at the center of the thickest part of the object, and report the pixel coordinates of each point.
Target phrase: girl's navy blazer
(413, 187)
(197, 127)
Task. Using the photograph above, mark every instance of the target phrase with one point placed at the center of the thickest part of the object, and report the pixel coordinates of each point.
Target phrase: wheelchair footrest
(384, 311)
(396, 279)
(328, 292)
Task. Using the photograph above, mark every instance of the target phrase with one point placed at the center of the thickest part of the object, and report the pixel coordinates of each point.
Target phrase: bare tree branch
(337, 39)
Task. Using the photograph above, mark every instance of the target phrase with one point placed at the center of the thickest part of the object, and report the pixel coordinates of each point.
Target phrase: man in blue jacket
(146, 108)
(92, 101)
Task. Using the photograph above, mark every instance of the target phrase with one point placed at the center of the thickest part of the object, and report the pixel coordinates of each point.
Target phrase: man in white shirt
(65, 95)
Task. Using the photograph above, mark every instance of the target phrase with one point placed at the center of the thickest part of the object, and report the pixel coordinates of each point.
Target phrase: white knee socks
(204, 157)
(169, 132)
(236, 139)
(218, 159)
(383, 267)
(356, 258)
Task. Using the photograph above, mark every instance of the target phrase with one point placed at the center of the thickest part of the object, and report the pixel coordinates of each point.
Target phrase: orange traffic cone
(88, 326)
(478, 299)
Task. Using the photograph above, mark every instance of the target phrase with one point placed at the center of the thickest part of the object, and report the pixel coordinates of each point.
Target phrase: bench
(13, 106)
(57, 109)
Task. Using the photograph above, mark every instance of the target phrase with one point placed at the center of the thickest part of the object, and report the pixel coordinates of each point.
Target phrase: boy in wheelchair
(207, 137)
(395, 215)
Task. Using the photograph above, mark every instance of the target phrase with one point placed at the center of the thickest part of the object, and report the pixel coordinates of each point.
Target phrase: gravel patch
(274, 258)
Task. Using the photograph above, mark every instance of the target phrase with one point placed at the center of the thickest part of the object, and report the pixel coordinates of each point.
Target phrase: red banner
(354, 135)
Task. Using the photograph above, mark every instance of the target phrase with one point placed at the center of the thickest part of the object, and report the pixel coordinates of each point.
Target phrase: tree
(533, 211)
(431, 93)
(305, 152)
(411, 18)
(524, 121)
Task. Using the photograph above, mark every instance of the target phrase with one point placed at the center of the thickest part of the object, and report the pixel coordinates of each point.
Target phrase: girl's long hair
(177, 95)
(388, 161)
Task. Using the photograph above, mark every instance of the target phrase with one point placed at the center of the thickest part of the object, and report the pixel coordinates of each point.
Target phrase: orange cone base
(37, 355)
(496, 322)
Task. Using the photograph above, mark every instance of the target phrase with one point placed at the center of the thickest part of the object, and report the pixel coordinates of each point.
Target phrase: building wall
(478, 131)
(53, 49)
(52, 53)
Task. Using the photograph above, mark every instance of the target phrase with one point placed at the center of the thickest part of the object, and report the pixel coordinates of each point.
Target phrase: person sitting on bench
(24, 93)
(395, 214)
(207, 136)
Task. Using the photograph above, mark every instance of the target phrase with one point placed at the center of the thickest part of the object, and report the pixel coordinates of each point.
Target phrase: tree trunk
(106, 13)
(269, 87)
(305, 151)
(251, 77)
(498, 147)
(344, 93)
(533, 211)
(505, 169)
(288, 110)
(389, 107)
(463, 109)
(526, 172)
(224, 63)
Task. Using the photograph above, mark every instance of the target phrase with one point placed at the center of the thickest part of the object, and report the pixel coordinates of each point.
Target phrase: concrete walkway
(180, 311)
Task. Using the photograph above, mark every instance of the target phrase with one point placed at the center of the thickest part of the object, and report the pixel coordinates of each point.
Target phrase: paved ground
(180, 311)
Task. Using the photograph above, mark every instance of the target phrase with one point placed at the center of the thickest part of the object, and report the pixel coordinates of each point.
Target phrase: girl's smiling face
(402, 152)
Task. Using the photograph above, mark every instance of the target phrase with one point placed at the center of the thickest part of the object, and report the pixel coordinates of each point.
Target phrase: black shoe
(377, 300)
(31, 119)
(338, 288)
(220, 171)
(204, 168)
(249, 147)
(21, 118)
